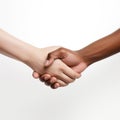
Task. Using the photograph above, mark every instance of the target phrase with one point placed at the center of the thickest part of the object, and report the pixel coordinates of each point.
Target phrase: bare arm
(34, 57)
(102, 48)
(13, 47)
(79, 60)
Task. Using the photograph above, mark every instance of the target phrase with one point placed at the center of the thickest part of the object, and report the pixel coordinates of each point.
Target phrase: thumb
(49, 61)
(52, 57)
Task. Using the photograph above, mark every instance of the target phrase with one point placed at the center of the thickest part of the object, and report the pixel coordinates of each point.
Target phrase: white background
(72, 24)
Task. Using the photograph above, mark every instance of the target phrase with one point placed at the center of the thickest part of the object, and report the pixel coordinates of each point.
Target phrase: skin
(79, 60)
(35, 58)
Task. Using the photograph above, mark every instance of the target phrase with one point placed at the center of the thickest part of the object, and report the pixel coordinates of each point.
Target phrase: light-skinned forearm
(35, 58)
(12, 47)
(102, 48)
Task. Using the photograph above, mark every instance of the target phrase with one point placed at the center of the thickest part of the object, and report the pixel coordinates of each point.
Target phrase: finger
(71, 73)
(55, 82)
(57, 54)
(79, 68)
(55, 85)
(47, 83)
(50, 59)
(45, 77)
(49, 62)
(51, 81)
(58, 84)
(35, 75)
(65, 79)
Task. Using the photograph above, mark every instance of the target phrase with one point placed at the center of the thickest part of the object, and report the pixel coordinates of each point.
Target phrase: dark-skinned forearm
(102, 48)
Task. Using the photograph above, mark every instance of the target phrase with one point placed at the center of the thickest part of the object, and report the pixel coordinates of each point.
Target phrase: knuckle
(68, 81)
(49, 55)
(62, 50)
(71, 80)
(65, 84)
(73, 77)
(76, 76)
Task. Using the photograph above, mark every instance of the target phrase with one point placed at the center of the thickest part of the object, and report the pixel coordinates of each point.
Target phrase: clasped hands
(63, 66)
(58, 66)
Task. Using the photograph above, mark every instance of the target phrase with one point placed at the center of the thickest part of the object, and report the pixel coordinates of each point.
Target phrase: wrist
(30, 55)
(36, 57)
(86, 56)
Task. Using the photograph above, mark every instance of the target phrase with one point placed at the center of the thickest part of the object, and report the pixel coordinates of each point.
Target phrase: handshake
(57, 66)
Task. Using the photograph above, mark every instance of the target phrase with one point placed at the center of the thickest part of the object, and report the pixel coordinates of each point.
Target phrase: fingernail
(47, 62)
(57, 85)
